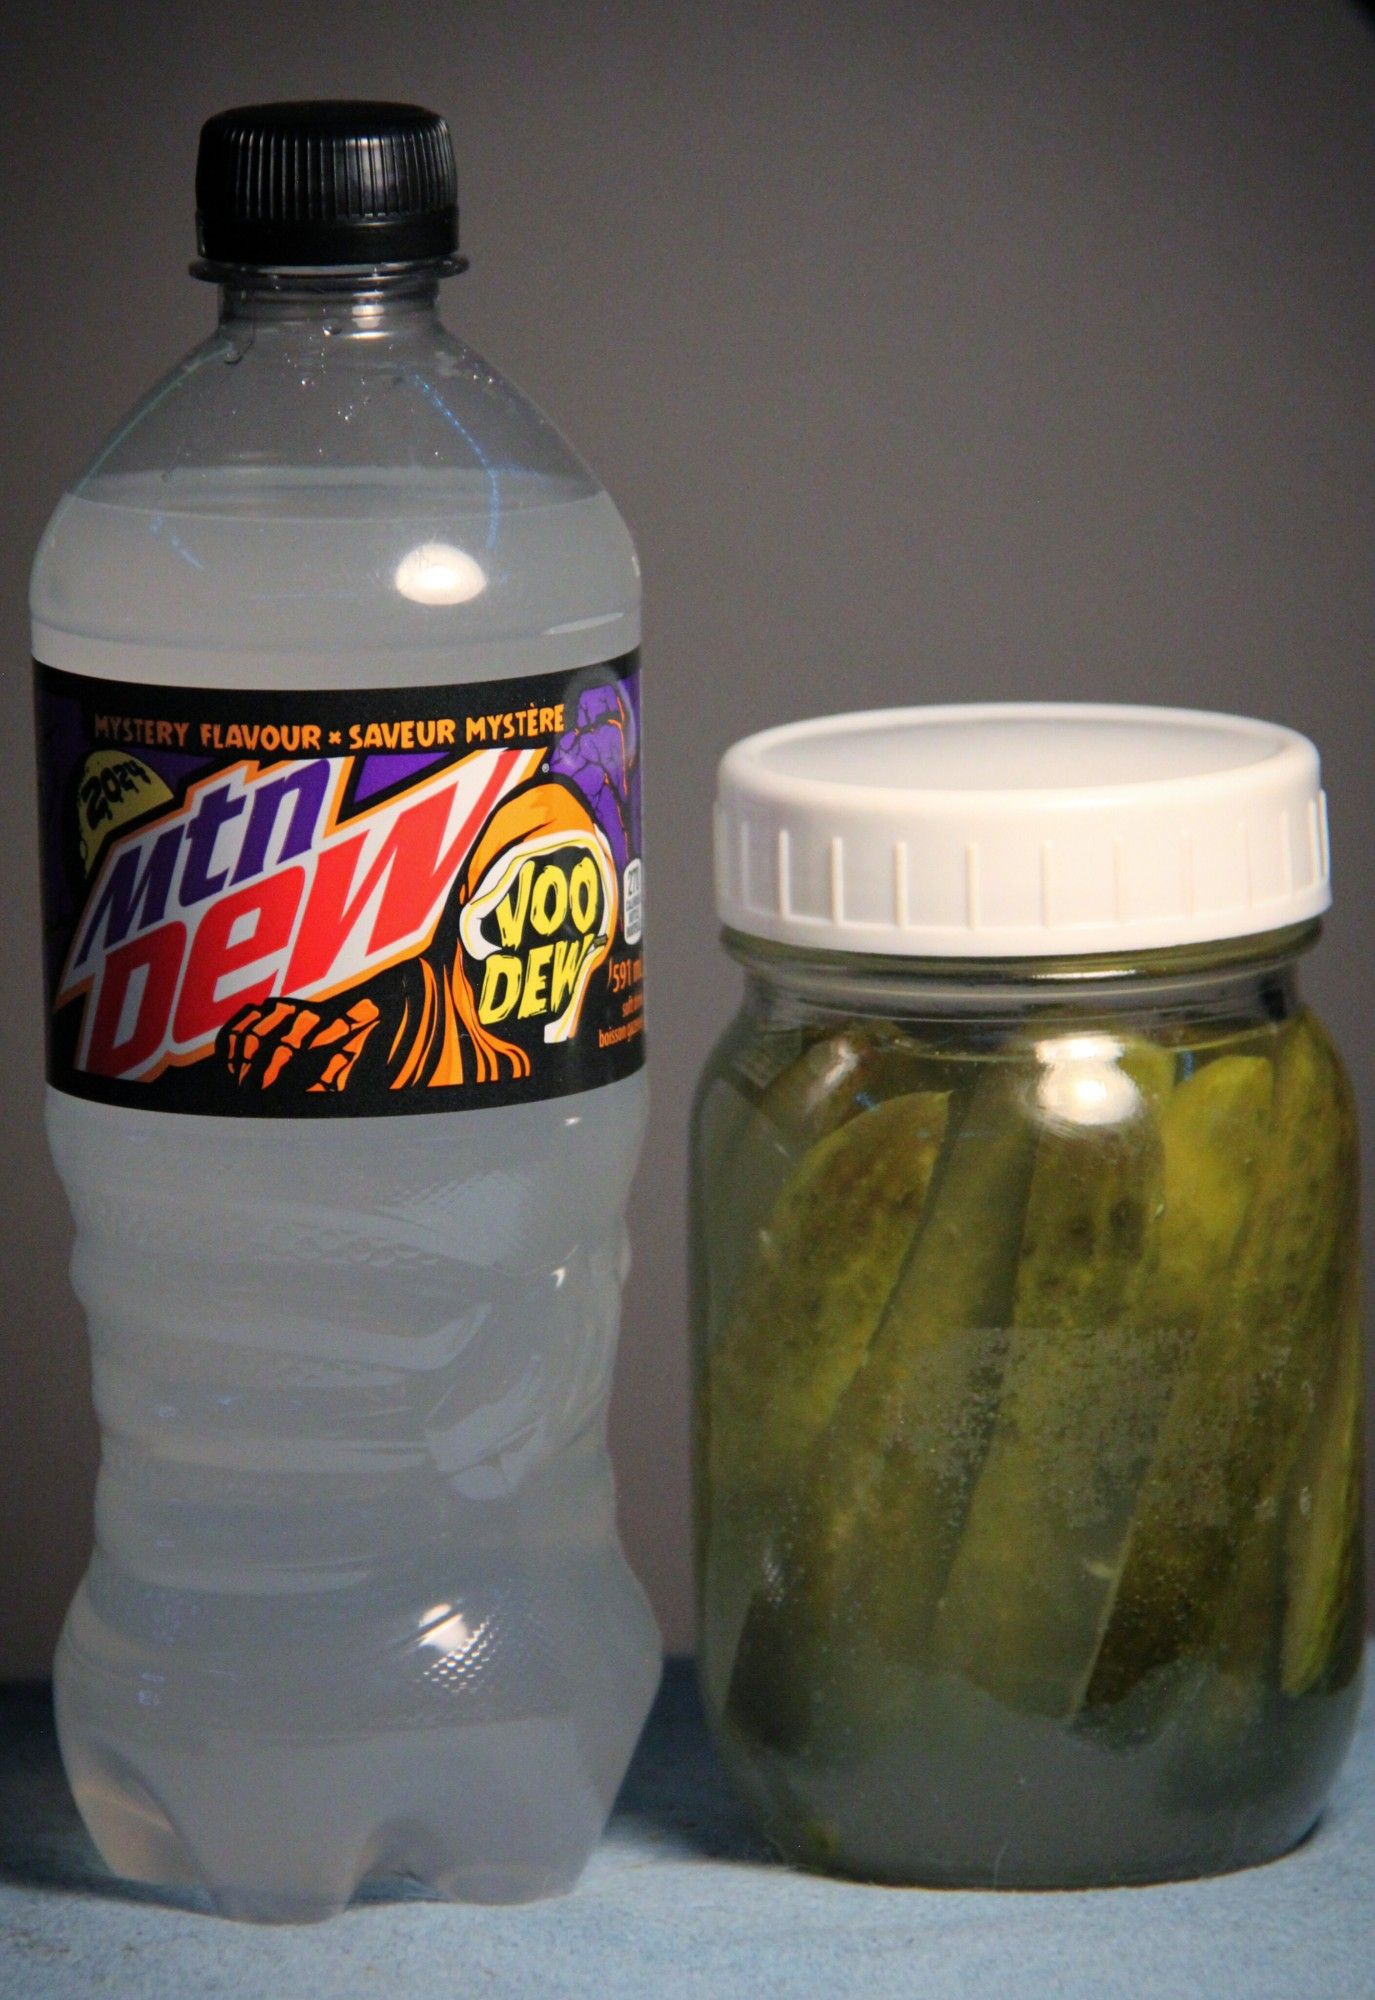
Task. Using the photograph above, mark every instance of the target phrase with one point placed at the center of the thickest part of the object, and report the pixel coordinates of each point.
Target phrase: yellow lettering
(535, 998)
(511, 916)
(550, 905)
(500, 989)
(584, 893)
(569, 954)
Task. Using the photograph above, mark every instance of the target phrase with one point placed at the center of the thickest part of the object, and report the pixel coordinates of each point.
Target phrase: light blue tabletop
(680, 1903)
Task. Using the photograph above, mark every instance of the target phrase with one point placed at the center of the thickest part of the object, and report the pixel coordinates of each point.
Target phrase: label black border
(563, 1066)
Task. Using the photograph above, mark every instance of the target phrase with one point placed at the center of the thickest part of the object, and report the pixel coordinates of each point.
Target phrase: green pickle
(822, 1272)
(1031, 1401)
(1214, 1131)
(1267, 1329)
(1324, 1574)
(1087, 1381)
(843, 1609)
(832, 1078)
(826, 1162)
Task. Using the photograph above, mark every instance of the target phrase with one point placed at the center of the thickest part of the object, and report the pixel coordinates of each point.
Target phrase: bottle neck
(330, 303)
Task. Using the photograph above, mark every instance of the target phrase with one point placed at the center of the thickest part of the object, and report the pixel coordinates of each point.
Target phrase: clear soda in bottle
(339, 750)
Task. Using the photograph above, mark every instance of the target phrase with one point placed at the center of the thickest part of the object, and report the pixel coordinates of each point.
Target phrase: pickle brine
(1038, 1378)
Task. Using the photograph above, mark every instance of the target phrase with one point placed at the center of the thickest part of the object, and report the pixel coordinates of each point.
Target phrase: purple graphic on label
(598, 756)
(379, 774)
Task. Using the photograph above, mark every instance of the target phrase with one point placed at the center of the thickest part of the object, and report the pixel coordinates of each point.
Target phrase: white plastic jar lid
(1028, 830)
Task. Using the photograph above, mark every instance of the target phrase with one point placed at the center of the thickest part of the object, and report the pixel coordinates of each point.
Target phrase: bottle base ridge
(280, 1784)
(288, 1833)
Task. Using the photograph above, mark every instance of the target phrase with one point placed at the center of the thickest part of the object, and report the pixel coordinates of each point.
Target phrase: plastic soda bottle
(339, 741)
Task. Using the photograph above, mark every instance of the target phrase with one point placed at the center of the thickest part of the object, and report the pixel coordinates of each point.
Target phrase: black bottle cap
(326, 182)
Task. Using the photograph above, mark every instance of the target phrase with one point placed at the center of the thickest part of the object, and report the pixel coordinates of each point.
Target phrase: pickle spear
(750, 1122)
(1264, 1327)
(1291, 1615)
(758, 1162)
(843, 1615)
(1323, 1548)
(1212, 1132)
(834, 1078)
(1224, 1752)
(824, 1265)
(1088, 1376)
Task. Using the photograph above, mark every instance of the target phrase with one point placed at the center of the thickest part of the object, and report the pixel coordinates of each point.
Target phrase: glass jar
(1028, 1361)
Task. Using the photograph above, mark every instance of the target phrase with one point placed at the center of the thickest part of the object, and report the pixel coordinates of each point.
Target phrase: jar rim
(1200, 960)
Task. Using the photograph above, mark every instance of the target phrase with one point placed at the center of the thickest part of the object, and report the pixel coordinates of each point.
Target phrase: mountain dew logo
(452, 918)
(253, 888)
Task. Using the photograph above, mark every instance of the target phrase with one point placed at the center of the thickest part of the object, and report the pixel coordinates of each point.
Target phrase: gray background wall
(932, 350)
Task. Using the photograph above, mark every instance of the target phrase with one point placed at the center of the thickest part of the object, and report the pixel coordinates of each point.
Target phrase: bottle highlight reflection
(438, 573)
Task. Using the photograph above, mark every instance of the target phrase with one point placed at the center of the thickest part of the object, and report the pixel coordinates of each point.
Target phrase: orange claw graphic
(347, 1037)
(260, 1043)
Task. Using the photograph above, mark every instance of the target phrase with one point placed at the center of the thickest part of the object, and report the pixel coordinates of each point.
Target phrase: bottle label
(342, 904)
